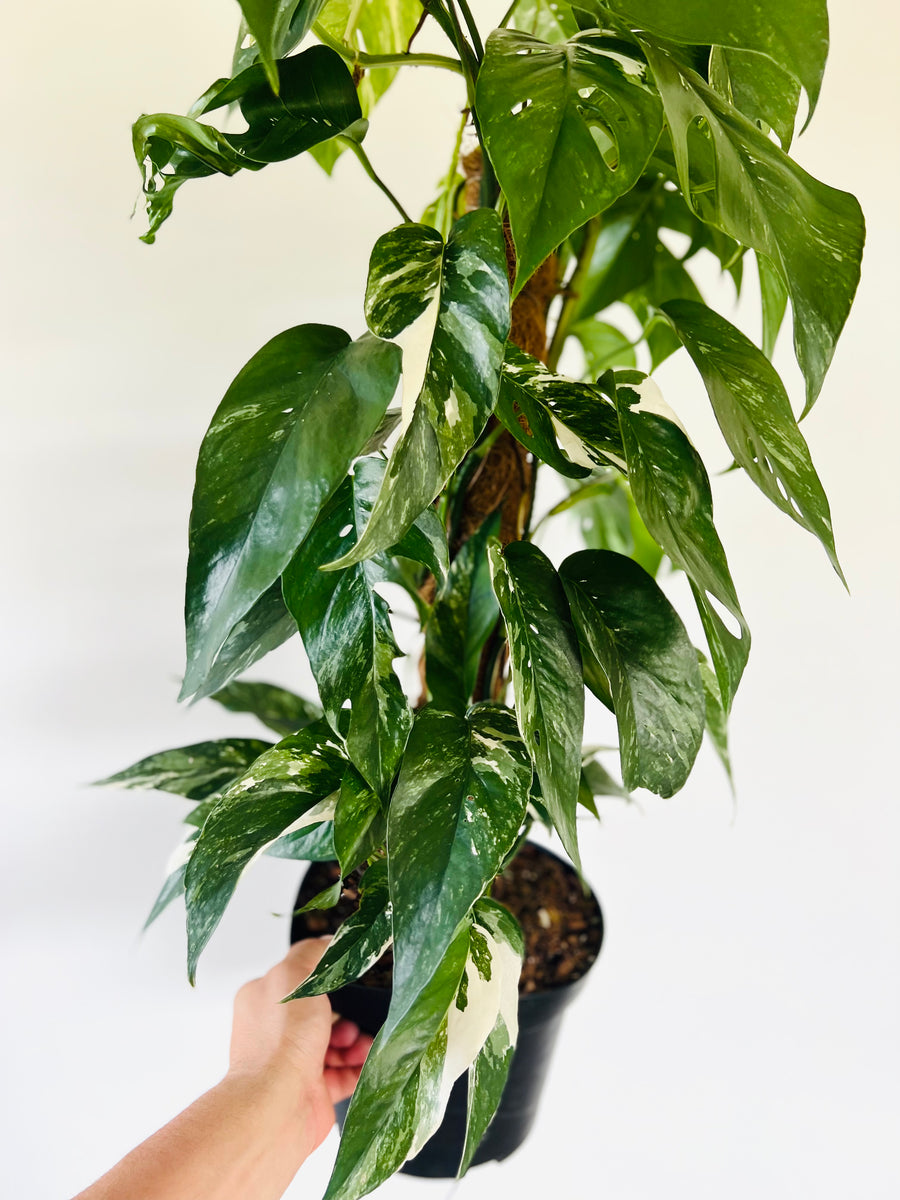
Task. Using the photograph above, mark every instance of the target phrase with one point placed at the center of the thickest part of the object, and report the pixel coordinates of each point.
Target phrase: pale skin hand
(247, 1136)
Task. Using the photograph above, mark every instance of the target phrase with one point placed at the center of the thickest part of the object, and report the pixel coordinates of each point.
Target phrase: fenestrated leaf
(738, 180)
(315, 844)
(568, 128)
(279, 444)
(346, 629)
(754, 414)
(672, 493)
(380, 1124)
(576, 415)
(716, 716)
(759, 88)
(498, 998)
(546, 675)
(281, 711)
(461, 620)
(277, 26)
(456, 810)
(793, 33)
(626, 623)
(381, 28)
(448, 307)
(359, 942)
(285, 787)
(194, 772)
(317, 102)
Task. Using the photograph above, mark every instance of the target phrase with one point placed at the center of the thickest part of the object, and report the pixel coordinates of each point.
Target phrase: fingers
(349, 1048)
(344, 1033)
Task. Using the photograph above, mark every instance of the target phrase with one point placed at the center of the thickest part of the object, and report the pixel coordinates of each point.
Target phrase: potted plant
(603, 148)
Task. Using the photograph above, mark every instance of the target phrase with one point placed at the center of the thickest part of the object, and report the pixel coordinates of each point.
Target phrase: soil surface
(563, 927)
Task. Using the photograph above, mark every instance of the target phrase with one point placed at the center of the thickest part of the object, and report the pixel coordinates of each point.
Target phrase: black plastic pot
(540, 1019)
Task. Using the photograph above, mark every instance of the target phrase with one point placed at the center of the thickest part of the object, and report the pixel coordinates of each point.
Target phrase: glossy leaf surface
(358, 822)
(359, 942)
(625, 622)
(757, 87)
(282, 789)
(671, 489)
(568, 129)
(793, 33)
(313, 844)
(754, 414)
(267, 625)
(281, 711)
(546, 675)
(276, 27)
(279, 444)
(735, 178)
(448, 307)
(455, 812)
(346, 629)
(194, 772)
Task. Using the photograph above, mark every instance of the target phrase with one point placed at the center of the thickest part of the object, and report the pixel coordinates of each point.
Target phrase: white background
(739, 1035)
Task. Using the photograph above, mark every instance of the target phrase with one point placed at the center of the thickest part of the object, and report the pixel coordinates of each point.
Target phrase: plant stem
(373, 61)
(507, 16)
(353, 19)
(463, 49)
(573, 292)
(374, 176)
(477, 44)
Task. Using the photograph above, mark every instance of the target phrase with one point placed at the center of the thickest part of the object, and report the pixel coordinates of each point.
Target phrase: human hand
(301, 1045)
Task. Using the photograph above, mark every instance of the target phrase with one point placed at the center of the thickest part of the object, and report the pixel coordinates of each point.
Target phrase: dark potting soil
(563, 927)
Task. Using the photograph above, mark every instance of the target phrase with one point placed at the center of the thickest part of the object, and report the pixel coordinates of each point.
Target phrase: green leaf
(754, 414)
(426, 542)
(622, 259)
(568, 128)
(738, 180)
(279, 710)
(285, 787)
(490, 1068)
(194, 772)
(381, 28)
(555, 408)
(546, 675)
(599, 782)
(461, 621)
(314, 844)
(549, 20)
(318, 101)
(773, 298)
(716, 716)
(793, 33)
(359, 942)
(276, 27)
(346, 629)
(625, 622)
(279, 444)
(359, 826)
(456, 810)
(756, 86)
(263, 628)
(672, 493)
(604, 346)
(448, 307)
(173, 887)
(669, 280)
(380, 1124)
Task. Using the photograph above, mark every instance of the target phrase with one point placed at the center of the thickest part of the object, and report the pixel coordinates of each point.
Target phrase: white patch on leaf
(415, 342)
(653, 401)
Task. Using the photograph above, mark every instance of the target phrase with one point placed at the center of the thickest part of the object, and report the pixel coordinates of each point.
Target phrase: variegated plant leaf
(280, 710)
(568, 128)
(279, 444)
(447, 306)
(293, 784)
(194, 772)
(546, 675)
(738, 180)
(457, 809)
(346, 629)
(628, 626)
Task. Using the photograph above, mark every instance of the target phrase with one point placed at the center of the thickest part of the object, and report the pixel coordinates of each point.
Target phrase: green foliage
(622, 141)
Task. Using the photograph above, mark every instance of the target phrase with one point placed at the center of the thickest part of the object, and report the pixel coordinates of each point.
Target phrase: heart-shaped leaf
(672, 493)
(279, 444)
(457, 809)
(546, 675)
(738, 180)
(568, 128)
(285, 787)
(625, 622)
(448, 307)
(346, 629)
(754, 414)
